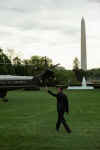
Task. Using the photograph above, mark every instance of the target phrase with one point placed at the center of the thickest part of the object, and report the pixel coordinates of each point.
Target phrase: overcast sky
(51, 28)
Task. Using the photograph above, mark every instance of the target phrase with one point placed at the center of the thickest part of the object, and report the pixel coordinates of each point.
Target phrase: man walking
(62, 107)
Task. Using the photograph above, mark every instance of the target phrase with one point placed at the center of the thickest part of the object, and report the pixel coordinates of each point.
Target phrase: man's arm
(51, 93)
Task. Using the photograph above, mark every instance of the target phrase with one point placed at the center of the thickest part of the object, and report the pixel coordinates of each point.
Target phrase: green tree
(17, 61)
(76, 64)
(63, 76)
(5, 63)
(18, 66)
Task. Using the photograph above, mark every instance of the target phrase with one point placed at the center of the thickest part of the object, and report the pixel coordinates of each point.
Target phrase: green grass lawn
(27, 122)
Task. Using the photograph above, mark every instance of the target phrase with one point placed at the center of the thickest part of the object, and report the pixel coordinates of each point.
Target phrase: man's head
(60, 89)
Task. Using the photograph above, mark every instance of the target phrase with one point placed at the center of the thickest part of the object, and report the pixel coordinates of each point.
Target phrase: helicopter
(10, 82)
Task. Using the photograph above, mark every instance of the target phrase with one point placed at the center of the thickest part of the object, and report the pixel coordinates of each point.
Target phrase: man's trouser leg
(66, 125)
(62, 120)
(58, 122)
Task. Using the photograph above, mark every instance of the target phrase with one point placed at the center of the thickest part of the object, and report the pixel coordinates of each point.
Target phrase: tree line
(11, 64)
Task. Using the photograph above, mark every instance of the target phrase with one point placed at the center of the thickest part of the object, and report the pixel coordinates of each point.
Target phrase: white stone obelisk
(83, 60)
(83, 46)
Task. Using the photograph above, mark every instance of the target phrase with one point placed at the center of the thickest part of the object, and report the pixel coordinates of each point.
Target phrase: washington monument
(83, 46)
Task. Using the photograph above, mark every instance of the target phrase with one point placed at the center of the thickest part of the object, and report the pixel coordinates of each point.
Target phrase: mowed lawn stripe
(28, 121)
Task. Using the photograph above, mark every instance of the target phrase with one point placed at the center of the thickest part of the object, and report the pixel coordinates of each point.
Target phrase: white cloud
(50, 27)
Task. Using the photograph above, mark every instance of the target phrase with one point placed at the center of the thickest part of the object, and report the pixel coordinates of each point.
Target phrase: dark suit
(62, 107)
